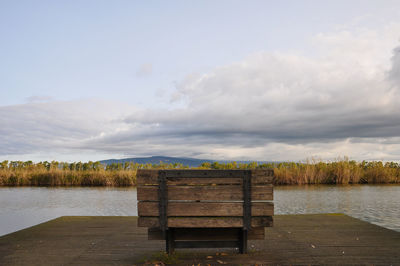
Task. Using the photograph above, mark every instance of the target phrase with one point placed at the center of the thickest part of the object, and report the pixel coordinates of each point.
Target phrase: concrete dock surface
(317, 239)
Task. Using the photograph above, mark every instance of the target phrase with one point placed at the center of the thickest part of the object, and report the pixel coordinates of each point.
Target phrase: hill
(191, 162)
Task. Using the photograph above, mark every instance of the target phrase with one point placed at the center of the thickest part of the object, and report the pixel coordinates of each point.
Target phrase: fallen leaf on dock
(221, 262)
(312, 246)
(209, 257)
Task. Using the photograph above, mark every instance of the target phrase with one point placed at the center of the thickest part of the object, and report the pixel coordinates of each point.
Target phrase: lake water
(22, 207)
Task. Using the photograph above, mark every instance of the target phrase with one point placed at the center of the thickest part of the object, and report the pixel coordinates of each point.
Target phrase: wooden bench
(205, 208)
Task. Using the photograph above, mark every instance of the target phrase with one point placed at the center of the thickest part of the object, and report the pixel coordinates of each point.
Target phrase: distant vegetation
(343, 171)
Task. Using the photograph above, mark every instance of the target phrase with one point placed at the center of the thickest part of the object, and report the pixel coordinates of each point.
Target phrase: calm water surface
(27, 206)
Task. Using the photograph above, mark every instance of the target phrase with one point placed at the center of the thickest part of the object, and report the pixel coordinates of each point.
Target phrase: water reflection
(27, 206)
(378, 204)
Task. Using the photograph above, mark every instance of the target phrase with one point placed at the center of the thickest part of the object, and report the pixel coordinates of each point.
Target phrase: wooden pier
(318, 239)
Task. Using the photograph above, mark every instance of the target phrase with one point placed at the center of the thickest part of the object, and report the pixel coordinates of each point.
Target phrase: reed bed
(341, 171)
(64, 174)
(57, 177)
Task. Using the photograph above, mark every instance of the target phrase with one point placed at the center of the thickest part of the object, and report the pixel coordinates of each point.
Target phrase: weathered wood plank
(203, 173)
(262, 172)
(208, 222)
(206, 173)
(198, 177)
(150, 208)
(102, 240)
(147, 172)
(219, 181)
(147, 176)
(256, 233)
(228, 192)
(152, 181)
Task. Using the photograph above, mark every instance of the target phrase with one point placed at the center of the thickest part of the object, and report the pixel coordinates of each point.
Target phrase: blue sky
(89, 80)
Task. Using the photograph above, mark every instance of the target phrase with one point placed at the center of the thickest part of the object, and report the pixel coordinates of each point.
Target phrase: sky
(226, 80)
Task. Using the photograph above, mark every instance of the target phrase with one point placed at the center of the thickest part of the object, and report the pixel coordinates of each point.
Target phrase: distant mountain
(191, 162)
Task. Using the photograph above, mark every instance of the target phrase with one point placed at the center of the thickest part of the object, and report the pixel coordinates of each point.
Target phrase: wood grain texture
(223, 193)
(116, 240)
(199, 181)
(207, 222)
(205, 185)
(200, 177)
(204, 173)
(150, 208)
(256, 233)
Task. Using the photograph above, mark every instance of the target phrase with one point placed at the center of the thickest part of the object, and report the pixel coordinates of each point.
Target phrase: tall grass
(341, 171)
(59, 177)
(63, 174)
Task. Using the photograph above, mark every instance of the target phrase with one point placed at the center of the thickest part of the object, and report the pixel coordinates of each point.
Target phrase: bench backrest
(205, 198)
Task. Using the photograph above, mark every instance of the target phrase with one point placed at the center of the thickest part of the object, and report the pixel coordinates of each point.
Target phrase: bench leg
(170, 241)
(243, 241)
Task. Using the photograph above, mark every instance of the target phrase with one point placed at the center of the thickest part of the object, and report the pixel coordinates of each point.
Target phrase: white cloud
(340, 100)
(51, 127)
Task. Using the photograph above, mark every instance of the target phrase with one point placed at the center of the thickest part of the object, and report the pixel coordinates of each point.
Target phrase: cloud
(39, 99)
(342, 93)
(281, 96)
(339, 100)
(394, 73)
(56, 126)
(144, 70)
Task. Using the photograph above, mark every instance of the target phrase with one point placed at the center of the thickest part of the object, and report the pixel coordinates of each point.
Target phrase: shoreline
(343, 172)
